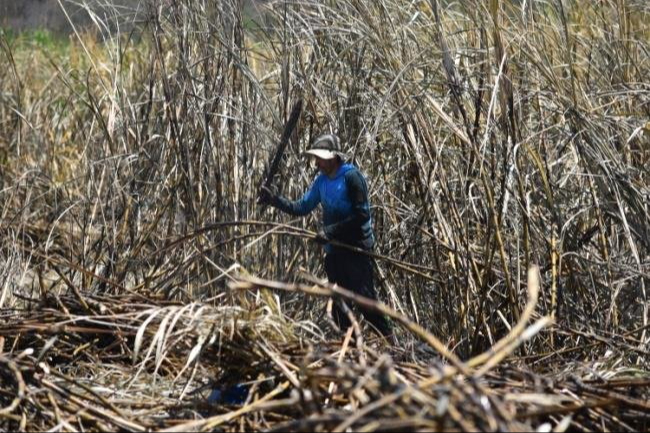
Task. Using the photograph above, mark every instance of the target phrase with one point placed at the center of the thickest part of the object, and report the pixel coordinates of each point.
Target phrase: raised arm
(299, 207)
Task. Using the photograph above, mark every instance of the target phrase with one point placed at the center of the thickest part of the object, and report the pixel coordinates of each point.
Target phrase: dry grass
(496, 136)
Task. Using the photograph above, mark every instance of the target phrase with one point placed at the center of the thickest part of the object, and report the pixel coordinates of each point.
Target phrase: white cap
(326, 147)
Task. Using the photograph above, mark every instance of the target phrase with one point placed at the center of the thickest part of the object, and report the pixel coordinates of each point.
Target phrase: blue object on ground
(235, 394)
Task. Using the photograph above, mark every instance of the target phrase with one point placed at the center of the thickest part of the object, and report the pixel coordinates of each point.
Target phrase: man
(342, 192)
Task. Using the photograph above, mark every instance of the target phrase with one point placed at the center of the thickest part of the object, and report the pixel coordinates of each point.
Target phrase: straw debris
(506, 148)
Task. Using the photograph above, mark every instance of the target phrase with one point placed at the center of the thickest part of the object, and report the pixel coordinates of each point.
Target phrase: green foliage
(35, 39)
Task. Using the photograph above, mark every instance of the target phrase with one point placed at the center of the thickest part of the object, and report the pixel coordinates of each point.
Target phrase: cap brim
(322, 153)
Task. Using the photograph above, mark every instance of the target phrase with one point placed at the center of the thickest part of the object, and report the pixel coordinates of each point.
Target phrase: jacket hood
(344, 168)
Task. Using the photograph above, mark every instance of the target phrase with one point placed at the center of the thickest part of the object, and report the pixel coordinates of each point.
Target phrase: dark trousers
(354, 272)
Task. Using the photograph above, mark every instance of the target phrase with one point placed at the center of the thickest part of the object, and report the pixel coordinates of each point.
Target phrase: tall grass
(495, 135)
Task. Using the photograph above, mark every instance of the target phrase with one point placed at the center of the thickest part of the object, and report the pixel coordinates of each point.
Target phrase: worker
(342, 192)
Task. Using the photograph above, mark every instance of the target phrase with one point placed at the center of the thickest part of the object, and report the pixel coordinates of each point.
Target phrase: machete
(274, 164)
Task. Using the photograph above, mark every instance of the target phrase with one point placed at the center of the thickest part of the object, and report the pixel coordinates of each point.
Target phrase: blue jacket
(346, 210)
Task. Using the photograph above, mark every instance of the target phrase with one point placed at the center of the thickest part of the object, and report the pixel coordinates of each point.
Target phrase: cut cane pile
(140, 363)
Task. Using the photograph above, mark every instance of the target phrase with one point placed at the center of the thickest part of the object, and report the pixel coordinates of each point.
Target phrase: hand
(266, 196)
(322, 238)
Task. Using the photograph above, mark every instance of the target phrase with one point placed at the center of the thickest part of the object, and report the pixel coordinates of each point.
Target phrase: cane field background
(507, 149)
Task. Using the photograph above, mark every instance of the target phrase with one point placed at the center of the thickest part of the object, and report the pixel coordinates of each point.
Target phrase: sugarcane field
(324, 215)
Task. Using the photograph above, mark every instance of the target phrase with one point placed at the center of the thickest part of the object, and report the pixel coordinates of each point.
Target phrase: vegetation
(506, 145)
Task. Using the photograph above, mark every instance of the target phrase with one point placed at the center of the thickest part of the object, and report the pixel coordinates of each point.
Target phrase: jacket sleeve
(303, 206)
(350, 227)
